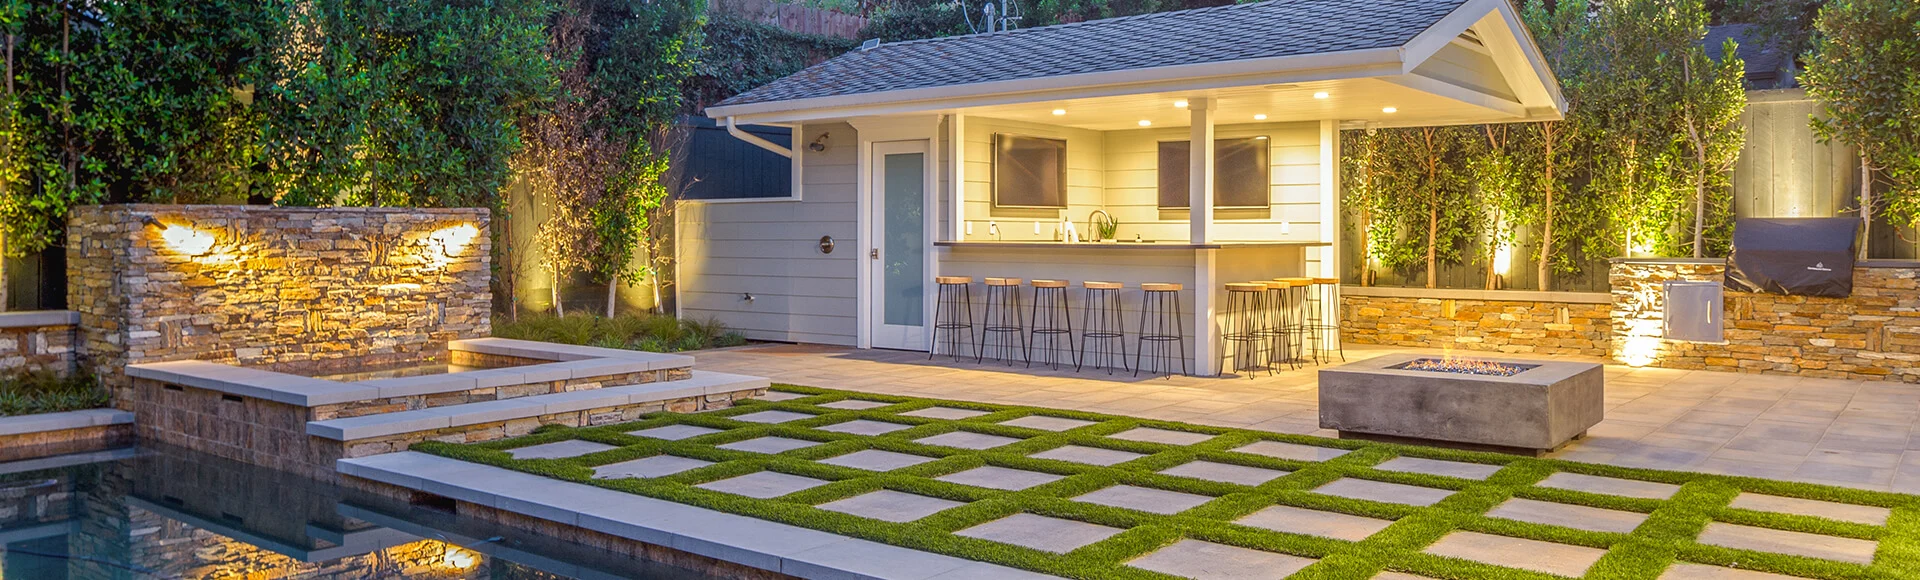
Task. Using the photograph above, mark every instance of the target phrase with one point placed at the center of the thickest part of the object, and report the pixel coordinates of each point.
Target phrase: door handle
(874, 253)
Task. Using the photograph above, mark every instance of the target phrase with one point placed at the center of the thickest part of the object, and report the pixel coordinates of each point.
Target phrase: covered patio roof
(1430, 61)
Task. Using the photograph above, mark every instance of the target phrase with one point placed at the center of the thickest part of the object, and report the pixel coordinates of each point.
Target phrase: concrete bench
(370, 426)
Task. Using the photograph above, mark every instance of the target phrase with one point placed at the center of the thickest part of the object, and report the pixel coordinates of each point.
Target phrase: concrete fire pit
(1503, 404)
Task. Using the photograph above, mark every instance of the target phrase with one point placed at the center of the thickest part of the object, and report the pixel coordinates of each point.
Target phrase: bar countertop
(1125, 245)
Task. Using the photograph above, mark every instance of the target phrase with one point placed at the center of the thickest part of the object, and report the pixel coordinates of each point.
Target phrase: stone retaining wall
(1873, 334)
(38, 341)
(304, 290)
(413, 402)
(64, 441)
(1512, 326)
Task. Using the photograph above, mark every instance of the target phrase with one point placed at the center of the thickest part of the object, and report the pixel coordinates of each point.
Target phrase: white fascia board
(1511, 37)
(1437, 87)
(1212, 75)
(1517, 37)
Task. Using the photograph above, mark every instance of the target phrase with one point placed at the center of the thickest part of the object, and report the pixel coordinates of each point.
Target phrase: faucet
(1093, 231)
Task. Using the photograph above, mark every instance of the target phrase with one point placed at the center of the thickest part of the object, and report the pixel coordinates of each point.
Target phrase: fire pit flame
(1466, 366)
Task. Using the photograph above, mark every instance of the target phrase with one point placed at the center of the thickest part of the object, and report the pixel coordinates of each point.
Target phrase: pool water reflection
(162, 512)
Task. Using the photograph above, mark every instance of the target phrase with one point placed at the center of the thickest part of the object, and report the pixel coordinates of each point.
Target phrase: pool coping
(569, 362)
(747, 541)
(62, 421)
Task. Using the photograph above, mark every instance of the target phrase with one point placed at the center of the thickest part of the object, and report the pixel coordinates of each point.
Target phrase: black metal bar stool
(1242, 329)
(1161, 329)
(1298, 332)
(1003, 322)
(1325, 318)
(1052, 323)
(1105, 332)
(951, 313)
(1277, 319)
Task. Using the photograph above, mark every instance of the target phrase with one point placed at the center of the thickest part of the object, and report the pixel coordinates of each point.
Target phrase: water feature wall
(302, 290)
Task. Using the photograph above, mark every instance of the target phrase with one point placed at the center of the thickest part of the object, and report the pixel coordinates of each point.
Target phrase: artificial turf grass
(1667, 534)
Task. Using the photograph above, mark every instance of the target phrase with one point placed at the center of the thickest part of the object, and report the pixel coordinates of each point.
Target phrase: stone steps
(701, 384)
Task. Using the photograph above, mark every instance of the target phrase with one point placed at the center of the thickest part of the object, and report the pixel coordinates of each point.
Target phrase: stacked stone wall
(42, 349)
(1504, 326)
(303, 290)
(1873, 334)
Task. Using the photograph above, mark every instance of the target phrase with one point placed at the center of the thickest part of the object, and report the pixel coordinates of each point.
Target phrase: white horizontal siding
(771, 252)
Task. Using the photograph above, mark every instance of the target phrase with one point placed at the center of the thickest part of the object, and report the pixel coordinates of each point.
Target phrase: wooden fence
(793, 17)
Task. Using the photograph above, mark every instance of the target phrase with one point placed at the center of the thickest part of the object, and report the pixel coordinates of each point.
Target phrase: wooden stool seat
(1278, 284)
(953, 279)
(1049, 283)
(1003, 281)
(1092, 285)
(1160, 287)
(1326, 280)
(1247, 287)
(1297, 281)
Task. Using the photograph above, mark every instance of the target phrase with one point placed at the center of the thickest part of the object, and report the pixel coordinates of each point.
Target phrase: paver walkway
(1839, 432)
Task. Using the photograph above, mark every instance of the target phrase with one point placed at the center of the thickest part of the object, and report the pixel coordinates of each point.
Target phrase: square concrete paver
(1578, 517)
(1685, 571)
(1224, 472)
(1167, 436)
(1535, 555)
(854, 405)
(675, 432)
(1458, 469)
(1291, 451)
(949, 413)
(777, 396)
(1295, 520)
(1610, 486)
(656, 466)
(1040, 532)
(967, 440)
(1209, 561)
(1381, 491)
(1784, 542)
(763, 484)
(1045, 423)
(1087, 455)
(864, 427)
(769, 445)
(559, 449)
(889, 505)
(1146, 499)
(1846, 512)
(876, 460)
(1000, 478)
(770, 417)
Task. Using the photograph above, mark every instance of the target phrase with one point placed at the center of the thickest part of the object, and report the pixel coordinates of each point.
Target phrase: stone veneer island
(1537, 409)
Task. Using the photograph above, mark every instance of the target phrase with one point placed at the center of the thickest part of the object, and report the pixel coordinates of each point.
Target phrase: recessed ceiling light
(1058, 112)
(1260, 117)
(1260, 138)
(1144, 122)
(1320, 95)
(1389, 110)
(1180, 104)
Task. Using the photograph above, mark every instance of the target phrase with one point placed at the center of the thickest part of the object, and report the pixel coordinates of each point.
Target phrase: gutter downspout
(757, 141)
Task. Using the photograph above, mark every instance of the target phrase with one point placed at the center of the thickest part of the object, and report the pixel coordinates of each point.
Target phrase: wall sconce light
(819, 143)
(182, 238)
(453, 240)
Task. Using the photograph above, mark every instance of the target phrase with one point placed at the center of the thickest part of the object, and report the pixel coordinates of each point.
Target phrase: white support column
(957, 176)
(1200, 170)
(1206, 362)
(1329, 199)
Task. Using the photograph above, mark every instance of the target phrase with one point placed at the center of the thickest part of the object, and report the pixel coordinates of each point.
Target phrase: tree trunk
(1866, 206)
(613, 287)
(559, 308)
(1546, 231)
(1433, 234)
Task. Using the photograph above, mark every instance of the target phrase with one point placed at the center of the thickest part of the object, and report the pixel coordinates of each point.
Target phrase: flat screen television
(1240, 173)
(1029, 171)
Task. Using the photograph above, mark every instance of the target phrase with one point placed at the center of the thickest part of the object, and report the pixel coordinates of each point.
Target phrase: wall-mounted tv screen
(1029, 171)
(1240, 173)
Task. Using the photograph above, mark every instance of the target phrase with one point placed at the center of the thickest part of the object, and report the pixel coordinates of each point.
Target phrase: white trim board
(772, 546)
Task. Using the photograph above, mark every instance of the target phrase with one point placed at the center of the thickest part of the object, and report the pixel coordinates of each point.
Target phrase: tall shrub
(402, 102)
(1864, 70)
(1430, 197)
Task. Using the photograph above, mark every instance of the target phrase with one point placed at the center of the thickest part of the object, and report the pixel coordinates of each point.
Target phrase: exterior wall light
(453, 240)
(182, 238)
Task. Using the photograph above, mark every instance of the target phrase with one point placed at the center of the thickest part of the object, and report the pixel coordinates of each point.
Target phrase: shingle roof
(1274, 28)
(1763, 60)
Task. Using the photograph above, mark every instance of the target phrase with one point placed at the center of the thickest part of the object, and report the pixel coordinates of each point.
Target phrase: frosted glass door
(900, 244)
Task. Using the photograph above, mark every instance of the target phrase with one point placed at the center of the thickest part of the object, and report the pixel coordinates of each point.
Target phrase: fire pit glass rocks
(1476, 402)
